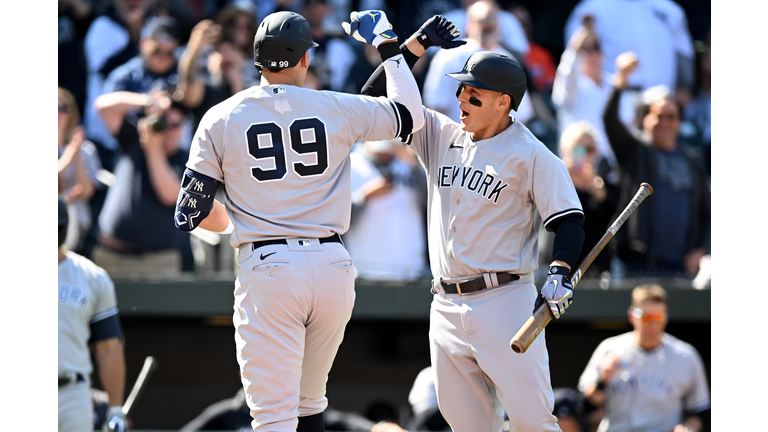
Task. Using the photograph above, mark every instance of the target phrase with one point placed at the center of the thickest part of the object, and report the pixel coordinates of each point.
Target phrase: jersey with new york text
(86, 296)
(282, 153)
(488, 198)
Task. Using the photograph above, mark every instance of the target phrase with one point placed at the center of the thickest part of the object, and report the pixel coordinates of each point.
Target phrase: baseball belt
(470, 286)
(68, 379)
(255, 245)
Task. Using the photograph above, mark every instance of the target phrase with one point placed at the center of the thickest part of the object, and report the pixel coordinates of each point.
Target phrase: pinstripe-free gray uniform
(487, 201)
(282, 154)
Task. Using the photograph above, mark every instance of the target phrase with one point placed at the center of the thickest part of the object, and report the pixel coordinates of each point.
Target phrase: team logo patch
(278, 90)
(304, 242)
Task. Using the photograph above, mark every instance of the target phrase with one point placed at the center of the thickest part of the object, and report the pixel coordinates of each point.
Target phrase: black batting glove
(557, 291)
(440, 32)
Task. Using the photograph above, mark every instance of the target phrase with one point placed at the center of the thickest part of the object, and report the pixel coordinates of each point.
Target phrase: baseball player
(282, 154)
(491, 186)
(647, 380)
(87, 315)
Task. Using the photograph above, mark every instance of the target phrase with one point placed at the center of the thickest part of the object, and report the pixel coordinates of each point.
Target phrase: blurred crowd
(624, 98)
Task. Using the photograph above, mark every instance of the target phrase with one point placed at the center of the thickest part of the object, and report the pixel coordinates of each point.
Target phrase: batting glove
(557, 291)
(115, 420)
(438, 31)
(370, 26)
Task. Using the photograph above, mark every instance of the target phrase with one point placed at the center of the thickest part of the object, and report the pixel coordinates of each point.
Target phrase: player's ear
(504, 102)
(304, 62)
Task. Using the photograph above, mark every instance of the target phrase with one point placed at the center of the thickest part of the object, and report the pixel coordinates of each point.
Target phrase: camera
(157, 122)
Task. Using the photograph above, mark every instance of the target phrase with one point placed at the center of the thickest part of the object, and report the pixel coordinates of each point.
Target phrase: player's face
(649, 322)
(479, 113)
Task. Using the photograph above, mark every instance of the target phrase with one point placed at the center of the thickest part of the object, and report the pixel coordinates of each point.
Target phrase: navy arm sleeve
(569, 237)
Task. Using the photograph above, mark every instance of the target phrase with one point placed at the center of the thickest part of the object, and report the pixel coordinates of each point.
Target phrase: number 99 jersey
(288, 174)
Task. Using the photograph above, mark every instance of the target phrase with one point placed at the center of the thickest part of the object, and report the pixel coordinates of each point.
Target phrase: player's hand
(115, 420)
(557, 291)
(370, 26)
(438, 31)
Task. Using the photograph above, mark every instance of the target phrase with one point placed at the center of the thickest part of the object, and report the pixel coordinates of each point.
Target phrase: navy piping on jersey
(564, 213)
(399, 128)
(406, 121)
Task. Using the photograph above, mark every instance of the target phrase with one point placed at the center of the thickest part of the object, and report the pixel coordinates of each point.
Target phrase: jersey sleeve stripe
(399, 128)
(104, 315)
(564, 213)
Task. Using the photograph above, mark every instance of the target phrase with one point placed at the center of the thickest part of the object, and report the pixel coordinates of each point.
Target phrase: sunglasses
(63, 109)
(640, 314)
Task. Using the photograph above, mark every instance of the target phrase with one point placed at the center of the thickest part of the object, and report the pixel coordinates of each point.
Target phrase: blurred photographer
(136, 233)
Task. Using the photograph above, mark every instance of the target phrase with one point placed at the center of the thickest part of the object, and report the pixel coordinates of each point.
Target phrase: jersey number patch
(306, 136)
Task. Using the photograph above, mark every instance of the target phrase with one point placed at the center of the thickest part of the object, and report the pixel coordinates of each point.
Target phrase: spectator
(699, 110)
(538, 62)
(112, 39)
(647, 379)
(154, 68)
(75, 16)
(672, 245)
(388, 195)
(599, 198)
(78, 168)
(482, 34)
(334, 56)
(540, 67)
(209, 70)
(89, 328)
(136, 231)
(582, 87)
(238, 22)
(655, 30)
(511, 33)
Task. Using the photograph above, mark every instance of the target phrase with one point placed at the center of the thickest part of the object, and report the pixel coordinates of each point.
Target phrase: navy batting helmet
(493, 71)
(63, 221)
(281, 40)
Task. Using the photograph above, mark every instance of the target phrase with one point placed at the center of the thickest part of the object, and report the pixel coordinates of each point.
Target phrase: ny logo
(192, 203)
(198, 186)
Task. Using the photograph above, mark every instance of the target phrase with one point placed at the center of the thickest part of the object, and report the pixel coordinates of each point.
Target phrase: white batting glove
(369, 26)
(115, 420)
(557, 291)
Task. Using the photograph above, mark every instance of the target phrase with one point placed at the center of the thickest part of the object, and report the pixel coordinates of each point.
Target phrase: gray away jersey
(653, 388)
(488, 198)
(86, 295)
(282, 153)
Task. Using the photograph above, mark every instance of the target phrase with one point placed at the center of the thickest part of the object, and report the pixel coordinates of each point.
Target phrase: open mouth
(464, 115)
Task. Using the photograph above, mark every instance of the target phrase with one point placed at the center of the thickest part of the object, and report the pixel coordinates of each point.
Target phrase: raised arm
(436, 31)
(621, 140)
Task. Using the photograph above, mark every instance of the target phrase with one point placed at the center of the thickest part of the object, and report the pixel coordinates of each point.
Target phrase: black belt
(255, 245)
(469, 286)
(67, 379)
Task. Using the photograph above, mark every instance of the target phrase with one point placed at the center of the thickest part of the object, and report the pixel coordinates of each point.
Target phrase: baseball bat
(543, 315)
(150, 364)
